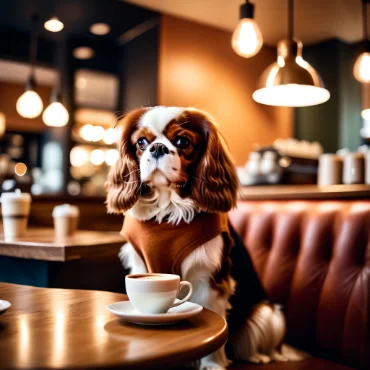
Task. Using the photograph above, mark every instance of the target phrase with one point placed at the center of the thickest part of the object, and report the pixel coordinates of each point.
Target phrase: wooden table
(86, 260)
(71, 329)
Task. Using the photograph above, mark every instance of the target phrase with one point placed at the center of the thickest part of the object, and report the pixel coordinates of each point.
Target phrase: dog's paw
(260, 358)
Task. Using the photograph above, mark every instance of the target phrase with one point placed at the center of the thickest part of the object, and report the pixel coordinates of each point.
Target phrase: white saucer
(126, 311)
(4, 305)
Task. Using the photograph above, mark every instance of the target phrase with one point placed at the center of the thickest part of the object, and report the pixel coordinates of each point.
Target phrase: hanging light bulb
(247, 38)
(55, 115)
(291, 81)
(29, 104)
(361, 69)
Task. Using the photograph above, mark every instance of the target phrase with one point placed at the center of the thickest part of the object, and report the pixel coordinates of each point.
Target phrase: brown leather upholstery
(314, 257)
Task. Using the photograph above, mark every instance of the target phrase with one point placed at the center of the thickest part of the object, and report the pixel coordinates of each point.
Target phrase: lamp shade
(291, 81)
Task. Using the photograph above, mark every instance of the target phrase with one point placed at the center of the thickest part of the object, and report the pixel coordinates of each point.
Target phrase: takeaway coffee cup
(155, 293)
(15, 209)
(65, 219)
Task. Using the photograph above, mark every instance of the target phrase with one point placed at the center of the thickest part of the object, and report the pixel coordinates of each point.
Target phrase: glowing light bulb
(247, 38)
(54, 25)
(79, 156)
(87, 132)
(97, 133)
(29, 104)
(110, 136)
(97, 157)
(55, 115)
(111, 157)
(361, 69)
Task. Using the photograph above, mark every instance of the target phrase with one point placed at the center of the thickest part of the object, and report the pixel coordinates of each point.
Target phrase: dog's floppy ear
(123, 183)
(215, 183)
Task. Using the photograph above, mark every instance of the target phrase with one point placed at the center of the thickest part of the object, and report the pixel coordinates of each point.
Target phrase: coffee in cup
(155, 293)
(15, 209)
(65, 219)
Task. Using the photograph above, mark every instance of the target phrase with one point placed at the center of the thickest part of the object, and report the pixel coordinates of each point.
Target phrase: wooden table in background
(71, 329)
(86, 260)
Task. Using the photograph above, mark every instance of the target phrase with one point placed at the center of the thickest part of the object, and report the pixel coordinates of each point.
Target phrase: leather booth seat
(314, 258)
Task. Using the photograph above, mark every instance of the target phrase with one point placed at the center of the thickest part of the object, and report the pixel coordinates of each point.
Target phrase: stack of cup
(65, 219)
(15, 208)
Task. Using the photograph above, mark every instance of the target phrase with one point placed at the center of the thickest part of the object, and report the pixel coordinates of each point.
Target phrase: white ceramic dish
(126, 311)
(4, 305)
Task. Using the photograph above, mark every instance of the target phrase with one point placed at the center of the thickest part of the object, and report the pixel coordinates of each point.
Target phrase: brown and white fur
(173, 165)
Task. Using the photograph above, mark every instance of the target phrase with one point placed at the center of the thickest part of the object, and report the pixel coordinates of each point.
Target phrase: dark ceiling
(77, 16)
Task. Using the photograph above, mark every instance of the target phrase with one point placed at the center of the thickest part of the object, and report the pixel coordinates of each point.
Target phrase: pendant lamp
(361, 69)
(290, 81)
(55, 115)
(29, 104)
(247, 38)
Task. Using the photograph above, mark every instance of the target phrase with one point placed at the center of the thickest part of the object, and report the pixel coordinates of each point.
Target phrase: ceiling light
(83, 52)
(291, 81)
(29, 104)
(100, 29)
(55, 115)
(54, 25)
(361, 69)
(247, 38)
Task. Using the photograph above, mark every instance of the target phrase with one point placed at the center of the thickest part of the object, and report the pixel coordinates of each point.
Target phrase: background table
(86, 260)
(69, 329)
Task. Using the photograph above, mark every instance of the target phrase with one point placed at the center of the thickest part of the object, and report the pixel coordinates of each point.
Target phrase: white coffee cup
(330, 170)
(155, 293)
(353, 168)
(15, 209)
(65, 219)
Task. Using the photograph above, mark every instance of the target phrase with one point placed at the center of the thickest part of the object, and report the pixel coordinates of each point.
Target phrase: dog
(175, 182)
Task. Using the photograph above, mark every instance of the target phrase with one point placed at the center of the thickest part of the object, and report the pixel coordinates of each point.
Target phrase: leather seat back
(314, 258)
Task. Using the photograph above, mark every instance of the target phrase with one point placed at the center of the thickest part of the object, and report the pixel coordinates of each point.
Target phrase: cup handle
(182, 284)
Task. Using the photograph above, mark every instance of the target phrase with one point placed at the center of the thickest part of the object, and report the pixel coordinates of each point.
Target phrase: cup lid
(16, 195)
(66, 210)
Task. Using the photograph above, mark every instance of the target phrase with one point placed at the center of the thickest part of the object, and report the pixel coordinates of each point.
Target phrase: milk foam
(65, 210)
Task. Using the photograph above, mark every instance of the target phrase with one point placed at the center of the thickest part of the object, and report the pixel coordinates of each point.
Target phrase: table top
(69, 329)
(41, 244)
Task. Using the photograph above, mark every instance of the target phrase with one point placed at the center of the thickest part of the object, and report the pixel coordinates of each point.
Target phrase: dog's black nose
(158, 150)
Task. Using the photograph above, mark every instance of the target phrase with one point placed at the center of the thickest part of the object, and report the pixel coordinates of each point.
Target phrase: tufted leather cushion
(314, 257)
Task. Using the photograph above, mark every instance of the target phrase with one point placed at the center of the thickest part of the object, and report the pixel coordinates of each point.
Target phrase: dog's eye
(181, 142)
(142, 143)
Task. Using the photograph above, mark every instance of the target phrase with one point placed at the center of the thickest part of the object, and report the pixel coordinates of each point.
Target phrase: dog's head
(172, 147)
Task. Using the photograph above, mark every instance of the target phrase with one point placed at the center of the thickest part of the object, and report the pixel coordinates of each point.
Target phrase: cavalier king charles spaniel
(175, 183)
